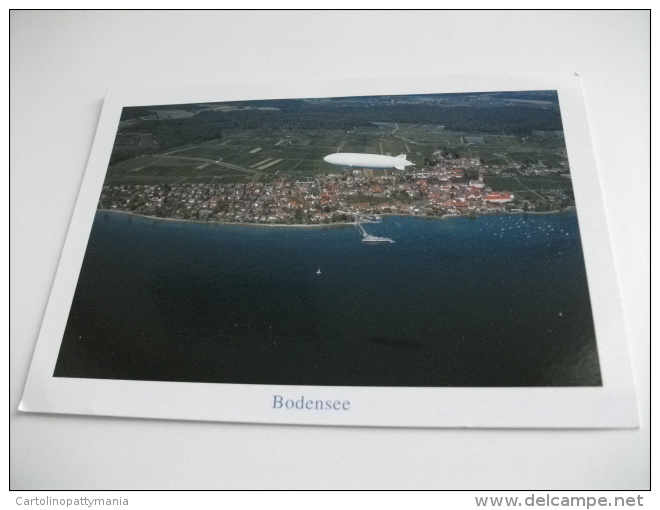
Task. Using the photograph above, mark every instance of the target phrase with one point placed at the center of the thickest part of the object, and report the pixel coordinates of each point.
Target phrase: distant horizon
(528, 95)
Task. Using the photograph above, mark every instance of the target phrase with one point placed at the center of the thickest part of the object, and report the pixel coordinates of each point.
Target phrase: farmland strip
(261, 162)
(270, 164)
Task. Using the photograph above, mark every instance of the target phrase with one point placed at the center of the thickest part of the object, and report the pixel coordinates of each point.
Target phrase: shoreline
(325, 225)
(228, 223)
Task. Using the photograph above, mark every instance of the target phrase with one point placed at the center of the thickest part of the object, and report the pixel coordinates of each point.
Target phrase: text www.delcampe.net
(547, 500)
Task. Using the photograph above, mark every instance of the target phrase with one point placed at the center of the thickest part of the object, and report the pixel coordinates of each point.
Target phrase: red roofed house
(498, 196)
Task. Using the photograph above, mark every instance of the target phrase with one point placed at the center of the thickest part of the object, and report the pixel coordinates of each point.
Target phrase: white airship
(350, 159)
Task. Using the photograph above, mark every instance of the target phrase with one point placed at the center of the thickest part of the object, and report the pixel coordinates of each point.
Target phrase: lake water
(490, 301)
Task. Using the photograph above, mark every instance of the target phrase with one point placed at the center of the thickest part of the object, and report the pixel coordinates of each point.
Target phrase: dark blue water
(491, 301)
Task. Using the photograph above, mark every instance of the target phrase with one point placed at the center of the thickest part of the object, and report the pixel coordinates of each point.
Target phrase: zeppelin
(349, 159)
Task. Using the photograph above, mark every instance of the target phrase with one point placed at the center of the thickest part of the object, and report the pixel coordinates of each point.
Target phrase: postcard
(427, 253)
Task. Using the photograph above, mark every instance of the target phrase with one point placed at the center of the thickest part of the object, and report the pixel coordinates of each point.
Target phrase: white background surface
(61, 65)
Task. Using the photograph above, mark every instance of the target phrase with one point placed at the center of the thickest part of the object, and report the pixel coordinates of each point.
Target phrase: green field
(518, 184)
(261, 155)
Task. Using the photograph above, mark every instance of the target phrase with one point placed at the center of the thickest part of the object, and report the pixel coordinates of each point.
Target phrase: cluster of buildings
(437, 190)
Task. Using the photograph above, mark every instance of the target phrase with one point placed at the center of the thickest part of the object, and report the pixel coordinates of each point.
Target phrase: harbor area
(368, 238)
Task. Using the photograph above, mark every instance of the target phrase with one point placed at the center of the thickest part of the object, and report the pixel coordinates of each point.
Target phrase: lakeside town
(445, 187)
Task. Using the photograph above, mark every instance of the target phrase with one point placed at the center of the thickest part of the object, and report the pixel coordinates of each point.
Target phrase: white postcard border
(611, 406)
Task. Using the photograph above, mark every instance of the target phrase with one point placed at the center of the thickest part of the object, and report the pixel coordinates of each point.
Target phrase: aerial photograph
(427, 240)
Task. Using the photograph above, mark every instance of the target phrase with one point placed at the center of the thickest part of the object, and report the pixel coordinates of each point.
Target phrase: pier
(367, 238)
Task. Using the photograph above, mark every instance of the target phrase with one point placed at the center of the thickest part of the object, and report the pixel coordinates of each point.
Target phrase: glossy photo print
(411, 240)
(401, 257)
